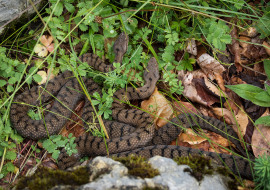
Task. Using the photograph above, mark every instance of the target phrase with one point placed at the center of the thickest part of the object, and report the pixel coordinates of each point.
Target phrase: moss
(45, 178)
(200, 165)
(232, 184)
(138, 166)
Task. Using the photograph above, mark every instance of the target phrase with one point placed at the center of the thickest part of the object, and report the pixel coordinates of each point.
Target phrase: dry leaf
(191, 138)
(235, 49)
(198, 89)
(242, 120)
(159, 106)
(226, 114)
(267, 48)
(261, 139)
(212, 68)
(184, 107)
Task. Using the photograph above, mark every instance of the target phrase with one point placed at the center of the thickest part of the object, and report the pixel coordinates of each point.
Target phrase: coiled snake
(144, 139)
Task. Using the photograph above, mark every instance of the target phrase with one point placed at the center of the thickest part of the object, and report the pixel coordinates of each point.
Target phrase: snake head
(66, 161)
(152, 70)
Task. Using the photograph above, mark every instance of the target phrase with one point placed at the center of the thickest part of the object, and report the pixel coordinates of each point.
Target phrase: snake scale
(132, 130)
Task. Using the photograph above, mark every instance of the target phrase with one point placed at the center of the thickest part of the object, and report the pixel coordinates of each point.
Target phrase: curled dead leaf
(159, 106)
(198, 89)
(212, 68)
(226, 114)
(193, 140)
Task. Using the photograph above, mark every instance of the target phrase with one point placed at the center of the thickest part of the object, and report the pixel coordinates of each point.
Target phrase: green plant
(217, 33)
(262, 172)
(10, 70)
(55, 142)
(263, 23)
(255, 94)
(158, 26)
(104, 103)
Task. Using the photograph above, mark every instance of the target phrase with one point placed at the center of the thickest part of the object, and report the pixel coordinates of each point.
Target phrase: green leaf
(245, 91)
(70, 7)
(59, 9)
(55, 154)
(37, 78)
(249, 92)
(266, 64)
(265, 120)
(10, 88)
(267, 88)
(168, 56)
(83, 27)
(3, 83)
(263, 96)
(263, 24)
(10, 167)
(10, 155)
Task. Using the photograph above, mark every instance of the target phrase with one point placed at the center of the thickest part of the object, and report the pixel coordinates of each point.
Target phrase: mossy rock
(45, 178)
(138, 166)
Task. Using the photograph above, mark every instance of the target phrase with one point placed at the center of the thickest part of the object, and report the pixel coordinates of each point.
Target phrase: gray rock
(11, 9)
(171, 176)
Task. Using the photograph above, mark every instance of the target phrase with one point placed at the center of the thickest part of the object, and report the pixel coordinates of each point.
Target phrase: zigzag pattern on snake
(131, 132)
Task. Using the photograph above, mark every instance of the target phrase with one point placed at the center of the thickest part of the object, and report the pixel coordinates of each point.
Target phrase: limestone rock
(109, 174)
(10, 9)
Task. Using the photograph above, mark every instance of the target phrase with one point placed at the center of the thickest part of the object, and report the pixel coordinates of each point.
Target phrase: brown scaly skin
(125, 139)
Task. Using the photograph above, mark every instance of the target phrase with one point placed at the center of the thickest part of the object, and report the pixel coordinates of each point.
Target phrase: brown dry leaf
(192, 140)
(242, 120)
(198, 89)
(212, 68)
(267, 48)
(159, 106)
(184, 107)
(236, 49)
(261, 139)
(226, 114)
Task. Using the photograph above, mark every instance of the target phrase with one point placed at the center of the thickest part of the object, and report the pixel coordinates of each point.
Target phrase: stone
(11, 9)
(172, 176)
(105, 173)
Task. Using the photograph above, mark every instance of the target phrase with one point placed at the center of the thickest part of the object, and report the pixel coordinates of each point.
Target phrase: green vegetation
(45, 178)
(138, 166)
(159, 28)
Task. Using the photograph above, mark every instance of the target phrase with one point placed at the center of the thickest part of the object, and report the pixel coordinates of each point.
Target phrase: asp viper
(132, 131)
